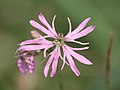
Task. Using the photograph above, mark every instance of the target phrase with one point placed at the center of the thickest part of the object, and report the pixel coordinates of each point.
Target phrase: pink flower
(60, 43)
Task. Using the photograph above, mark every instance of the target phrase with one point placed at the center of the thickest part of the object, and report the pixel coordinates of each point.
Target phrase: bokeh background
(14, 28)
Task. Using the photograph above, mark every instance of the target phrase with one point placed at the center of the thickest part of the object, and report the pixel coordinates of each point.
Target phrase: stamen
(58, 42)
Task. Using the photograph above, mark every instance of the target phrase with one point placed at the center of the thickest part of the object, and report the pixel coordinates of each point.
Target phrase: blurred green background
(14, 28)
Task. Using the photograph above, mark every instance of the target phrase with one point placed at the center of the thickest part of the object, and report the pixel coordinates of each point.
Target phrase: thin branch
(108, 62)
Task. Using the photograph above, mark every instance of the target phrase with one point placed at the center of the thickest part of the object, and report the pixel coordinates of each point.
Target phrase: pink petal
(81, 43)
(84, 32)
(79, 28)
(70, 26)
(84, 48)
(53, 26)
(54, 65)
(46, 50)
(34, 41)
(79, 57)
(44, 21)
(32, 47)
(38, 26)
(71, 62)
(63, 62)
(47, 66)
(62, 58)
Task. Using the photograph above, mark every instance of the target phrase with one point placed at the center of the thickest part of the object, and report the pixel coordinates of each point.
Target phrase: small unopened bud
(35, 34)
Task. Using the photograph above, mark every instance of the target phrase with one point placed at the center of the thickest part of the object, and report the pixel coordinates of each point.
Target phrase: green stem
(60, 82)
(107, 82)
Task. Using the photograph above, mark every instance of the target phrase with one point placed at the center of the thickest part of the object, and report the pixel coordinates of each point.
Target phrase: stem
(107, 82)
(60, 82)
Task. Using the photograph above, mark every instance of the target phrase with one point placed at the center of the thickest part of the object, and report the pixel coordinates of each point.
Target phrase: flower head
(59, 43)
(26, 62)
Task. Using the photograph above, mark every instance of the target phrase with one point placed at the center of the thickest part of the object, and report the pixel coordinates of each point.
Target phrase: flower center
(59, 41)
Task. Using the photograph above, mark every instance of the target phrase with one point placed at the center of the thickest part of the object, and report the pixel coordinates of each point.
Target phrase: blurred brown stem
(107, 82)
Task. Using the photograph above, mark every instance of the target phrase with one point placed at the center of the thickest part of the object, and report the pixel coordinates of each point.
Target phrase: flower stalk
(109, 53)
